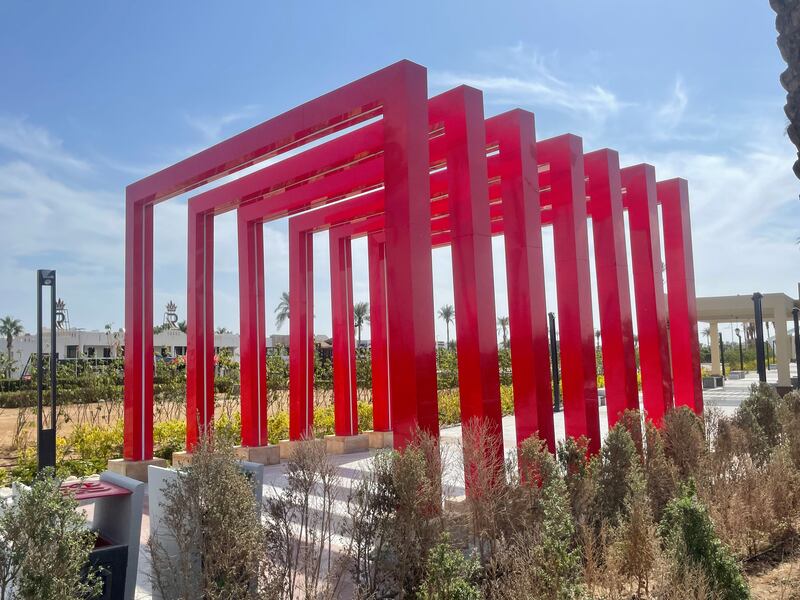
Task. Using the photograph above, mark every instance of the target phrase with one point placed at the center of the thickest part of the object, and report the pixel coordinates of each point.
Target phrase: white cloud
(211, 127)
(519, 76)
(671, 112)
(49, 223)
(742, 201)
(742, 193)
(36, 144)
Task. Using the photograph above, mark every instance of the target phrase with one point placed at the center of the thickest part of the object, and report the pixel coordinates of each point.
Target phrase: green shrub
(364, 416)
(507, 399)
(46, 546)
(96, 445)
(757, 416)
(449, 407)
(541, 560)
(278, 427)
(228, 430)
(689, 533)
(619, 466)
(324, 421)
(169, 437)
(450, 575)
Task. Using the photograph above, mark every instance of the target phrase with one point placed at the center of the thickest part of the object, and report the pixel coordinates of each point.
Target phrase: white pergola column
(782, 346)
(716, 365)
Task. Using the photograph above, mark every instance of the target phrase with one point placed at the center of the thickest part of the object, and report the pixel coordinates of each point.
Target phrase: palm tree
(707, 333)
(448, 314)
(282, 310)
(502, 323)
(10, 328)
(222, 330)
(788, 13)
(597, 338)
(360, 316)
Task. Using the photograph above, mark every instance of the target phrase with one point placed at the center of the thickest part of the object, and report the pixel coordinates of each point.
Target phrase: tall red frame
(399, 94)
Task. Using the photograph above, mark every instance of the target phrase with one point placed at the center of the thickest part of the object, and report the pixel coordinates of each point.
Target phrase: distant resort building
(169, 341)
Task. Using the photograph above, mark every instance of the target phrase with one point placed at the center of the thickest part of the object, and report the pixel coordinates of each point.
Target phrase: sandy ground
(777, 576)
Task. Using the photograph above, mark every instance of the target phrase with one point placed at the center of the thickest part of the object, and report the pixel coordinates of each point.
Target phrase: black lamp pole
(795, 316)
(722, 355)
(46, 438)
(741, 355)
(554, 362)
(766, 350)
(759, 318)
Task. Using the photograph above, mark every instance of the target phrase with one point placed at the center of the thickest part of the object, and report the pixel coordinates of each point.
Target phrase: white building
(79, 343)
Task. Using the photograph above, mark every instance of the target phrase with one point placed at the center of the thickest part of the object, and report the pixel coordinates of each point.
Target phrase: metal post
(741, 355)
(554, 362)
(722, 355)
(760, 362)
(46, 438)
(796, 318)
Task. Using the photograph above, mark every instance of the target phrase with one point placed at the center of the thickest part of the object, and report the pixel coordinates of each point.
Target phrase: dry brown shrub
(783, 483)
(635, 550)
(300, 527)
(212, 516)
(688, 583)
(594, 543)
(488, 495)
(684, 441)
(660, 473)
(580, 475)
(394, 518)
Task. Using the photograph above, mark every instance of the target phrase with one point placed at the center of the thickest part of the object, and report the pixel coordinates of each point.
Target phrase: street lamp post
(722, 355)
(741, 356)
(554, 362)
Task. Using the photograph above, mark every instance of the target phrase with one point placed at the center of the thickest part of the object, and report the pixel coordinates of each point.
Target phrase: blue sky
(94, 95)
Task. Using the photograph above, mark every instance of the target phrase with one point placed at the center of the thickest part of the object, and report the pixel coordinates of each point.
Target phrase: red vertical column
(301, 333)
(138, 402)
(252, 336)
(200, 327)
(381, 420)
(641, 201)
(567, 195)
(344, 364)
(527, 312)
(471, 246)
(613, 287)
(412, 344)
(682, 302)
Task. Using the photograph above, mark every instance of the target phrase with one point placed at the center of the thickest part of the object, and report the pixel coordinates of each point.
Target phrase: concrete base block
(181, 459)
(135, 469)
(380, 439)
(286, 447)
(263, 455)
(347, 444)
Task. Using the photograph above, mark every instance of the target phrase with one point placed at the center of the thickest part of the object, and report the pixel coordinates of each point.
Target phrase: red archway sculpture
(423, 174)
